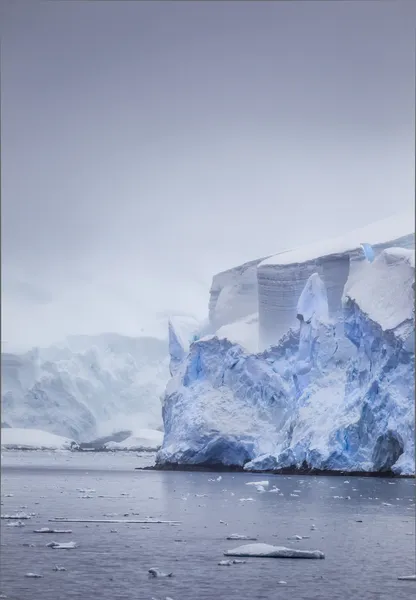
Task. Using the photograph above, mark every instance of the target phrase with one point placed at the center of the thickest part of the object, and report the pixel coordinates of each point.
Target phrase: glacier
(332, 386)
(88, 387)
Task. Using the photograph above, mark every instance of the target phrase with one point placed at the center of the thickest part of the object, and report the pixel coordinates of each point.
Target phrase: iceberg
(334, 392)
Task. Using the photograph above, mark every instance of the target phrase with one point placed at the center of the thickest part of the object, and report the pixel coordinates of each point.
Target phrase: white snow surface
(86, 387)
(34, 439)
(244, 332)
(383, 231)
(334, 392)
(269, 551)
(281, 278)
(384, 289)
(144, 439)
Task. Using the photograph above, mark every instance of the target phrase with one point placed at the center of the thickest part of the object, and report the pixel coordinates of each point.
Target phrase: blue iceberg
(335, 392)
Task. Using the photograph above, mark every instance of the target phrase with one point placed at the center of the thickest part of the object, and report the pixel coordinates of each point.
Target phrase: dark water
(363, 559)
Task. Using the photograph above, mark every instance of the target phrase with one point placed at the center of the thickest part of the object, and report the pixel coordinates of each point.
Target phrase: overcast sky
(148, 145)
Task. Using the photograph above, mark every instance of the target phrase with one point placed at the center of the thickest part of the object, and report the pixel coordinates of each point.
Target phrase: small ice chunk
(387, 504)
(8, 495)
(62, 546)
(247, 500)
(157, 573)
(296, 495)
(299, 537)
(282, 582)
(15, 524)
(238, 536)
(260, 488)
(269, 551)
(48, 530)
(33, 575)
(274, 490)
(255, 483)
(228, 563)
(219, 478)
(407, 578)
(86, 490)
(58, 568)
(18, 516)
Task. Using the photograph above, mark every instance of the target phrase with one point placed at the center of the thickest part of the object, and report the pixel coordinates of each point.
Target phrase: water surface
(365, 526)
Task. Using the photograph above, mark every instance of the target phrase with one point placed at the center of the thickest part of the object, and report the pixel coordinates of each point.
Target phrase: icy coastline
(334, 393)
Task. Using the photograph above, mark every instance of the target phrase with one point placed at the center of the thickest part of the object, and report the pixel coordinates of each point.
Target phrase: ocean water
(365, 527)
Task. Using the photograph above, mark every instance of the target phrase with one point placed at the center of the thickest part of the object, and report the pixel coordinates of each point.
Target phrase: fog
(146, 146)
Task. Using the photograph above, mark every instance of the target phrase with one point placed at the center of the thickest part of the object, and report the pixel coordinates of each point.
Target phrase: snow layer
(34, 439)
(88, 387)
(336, 393)
(268, 551)
(282, 277)
(144, 439)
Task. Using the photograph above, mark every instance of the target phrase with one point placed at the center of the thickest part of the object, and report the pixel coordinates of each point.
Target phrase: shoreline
(304, 471)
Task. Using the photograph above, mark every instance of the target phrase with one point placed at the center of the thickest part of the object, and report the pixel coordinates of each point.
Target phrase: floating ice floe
(62, 546)
(228, 563)
(48, 530)
(58, 568)
(256, 483)
(33, 575)
(157, 573)
(143, 521)
(247, 500)
(238, 536)
(17, 516)
(299, 537)
(269, 551)
(15, 524)
(407, 578)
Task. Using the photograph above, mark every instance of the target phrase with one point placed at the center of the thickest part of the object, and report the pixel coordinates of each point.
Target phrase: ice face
(334, 394)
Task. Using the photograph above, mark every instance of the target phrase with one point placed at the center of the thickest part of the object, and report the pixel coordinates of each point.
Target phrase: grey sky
(147, 145)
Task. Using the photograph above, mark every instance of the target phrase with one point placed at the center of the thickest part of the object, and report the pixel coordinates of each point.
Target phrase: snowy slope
(88, 387)
(34, 439)
(336, 392)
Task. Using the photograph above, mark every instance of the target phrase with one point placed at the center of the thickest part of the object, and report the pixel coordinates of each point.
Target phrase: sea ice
(269, 551)
(62, 546)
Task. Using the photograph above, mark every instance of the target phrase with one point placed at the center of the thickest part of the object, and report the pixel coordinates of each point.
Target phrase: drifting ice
(268, 551)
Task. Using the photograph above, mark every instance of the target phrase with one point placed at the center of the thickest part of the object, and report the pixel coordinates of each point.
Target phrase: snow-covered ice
(238, 536)
(269, 551)
(86, 387)
(49, 530)
(158, 573)
(34, 439)
(62, 545)
(335, 392)
(144, 439)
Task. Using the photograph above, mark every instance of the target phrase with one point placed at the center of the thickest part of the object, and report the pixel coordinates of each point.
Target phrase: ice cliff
(87, 387)
(335, 389)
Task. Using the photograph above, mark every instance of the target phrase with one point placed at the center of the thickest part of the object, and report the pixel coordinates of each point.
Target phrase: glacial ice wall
(233, 294)
(336, 393)
(282, 277)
